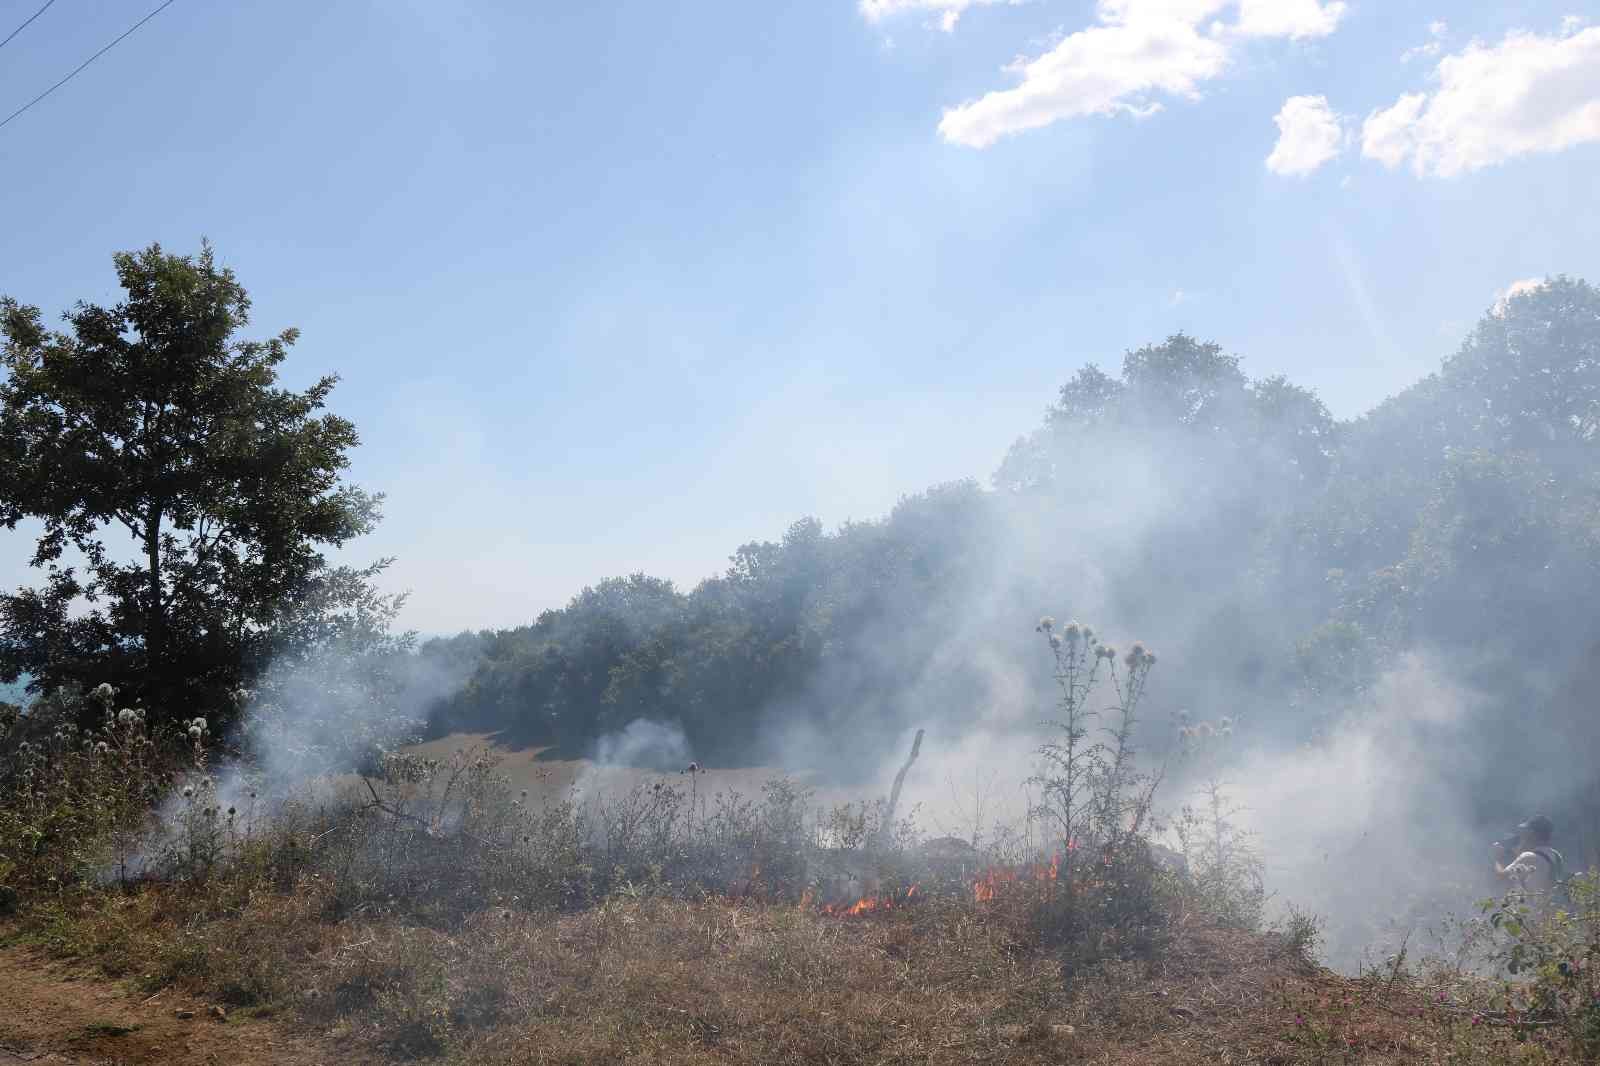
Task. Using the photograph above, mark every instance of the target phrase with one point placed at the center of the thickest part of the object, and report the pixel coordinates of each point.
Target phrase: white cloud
(949, 11)
(1295, 19)
(1516, 288)
(1309, 134)
(1526, 95)
(1139, 51)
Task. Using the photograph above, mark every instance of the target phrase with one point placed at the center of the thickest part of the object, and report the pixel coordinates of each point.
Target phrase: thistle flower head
(1072, 631)
(1046, 624)
(1055, 641)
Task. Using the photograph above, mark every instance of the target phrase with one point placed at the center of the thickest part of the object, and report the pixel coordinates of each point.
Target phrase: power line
(25, 25)
(125, 34)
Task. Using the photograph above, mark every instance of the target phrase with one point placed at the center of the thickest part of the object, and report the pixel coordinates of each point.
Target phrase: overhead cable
(25, 25)
(125, 34)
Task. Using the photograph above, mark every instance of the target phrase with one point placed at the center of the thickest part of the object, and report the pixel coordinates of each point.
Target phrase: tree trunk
(155, 628)
(886, 830)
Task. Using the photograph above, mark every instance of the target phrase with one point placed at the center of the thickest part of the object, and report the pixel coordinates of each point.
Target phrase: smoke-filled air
(1375, 633)
(893, 533)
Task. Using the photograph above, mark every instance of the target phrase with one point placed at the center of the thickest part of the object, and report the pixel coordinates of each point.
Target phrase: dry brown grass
(723, 981)
(407, 935)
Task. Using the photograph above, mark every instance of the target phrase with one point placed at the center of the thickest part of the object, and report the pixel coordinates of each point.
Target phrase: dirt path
(56, 1015)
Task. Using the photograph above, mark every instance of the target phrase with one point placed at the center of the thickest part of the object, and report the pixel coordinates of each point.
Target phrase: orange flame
(869, 904)
(997, 878)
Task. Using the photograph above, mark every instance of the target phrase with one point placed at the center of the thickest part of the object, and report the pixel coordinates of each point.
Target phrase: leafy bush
(1551, 950)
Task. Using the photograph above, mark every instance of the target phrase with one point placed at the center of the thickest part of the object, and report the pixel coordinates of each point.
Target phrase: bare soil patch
(53, 1012)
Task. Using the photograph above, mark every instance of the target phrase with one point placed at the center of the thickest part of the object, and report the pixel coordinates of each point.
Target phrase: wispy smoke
(309, 720)
(644, 744)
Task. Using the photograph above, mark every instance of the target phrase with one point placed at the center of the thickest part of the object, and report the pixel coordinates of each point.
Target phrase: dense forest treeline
(1280, 559)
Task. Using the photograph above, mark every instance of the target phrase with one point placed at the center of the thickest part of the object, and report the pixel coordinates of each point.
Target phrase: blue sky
(619, 286)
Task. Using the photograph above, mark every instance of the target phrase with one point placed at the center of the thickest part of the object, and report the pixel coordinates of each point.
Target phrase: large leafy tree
(183, 498)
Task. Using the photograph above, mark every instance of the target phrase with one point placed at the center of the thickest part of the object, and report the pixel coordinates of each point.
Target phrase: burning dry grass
(446, 917)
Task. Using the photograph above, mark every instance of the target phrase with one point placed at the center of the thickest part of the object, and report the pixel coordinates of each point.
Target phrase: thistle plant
(1092, 792)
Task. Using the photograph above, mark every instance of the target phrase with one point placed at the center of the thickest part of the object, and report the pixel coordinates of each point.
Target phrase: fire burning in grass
(994, 881)
(998, 878)
(870, 904)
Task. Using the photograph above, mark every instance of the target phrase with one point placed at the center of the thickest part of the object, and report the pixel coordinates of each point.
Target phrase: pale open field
(556, 778)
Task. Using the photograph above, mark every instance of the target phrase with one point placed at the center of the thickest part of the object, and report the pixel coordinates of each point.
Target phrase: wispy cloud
(1529, 94)
(1310, 134)
(1137, 53)
(948, 11)
(1431, 47)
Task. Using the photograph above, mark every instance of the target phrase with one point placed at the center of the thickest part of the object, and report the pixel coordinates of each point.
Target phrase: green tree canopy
(152, 442)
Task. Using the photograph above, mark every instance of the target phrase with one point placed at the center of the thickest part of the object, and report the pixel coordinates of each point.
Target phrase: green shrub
(1550, 951)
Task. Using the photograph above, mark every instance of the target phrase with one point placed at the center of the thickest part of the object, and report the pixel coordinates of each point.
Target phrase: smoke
(333, 710)
(311, 719)
(1371, 828)
(644, 744)
(1236, 530)
(622, 759)
(1374, 812)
